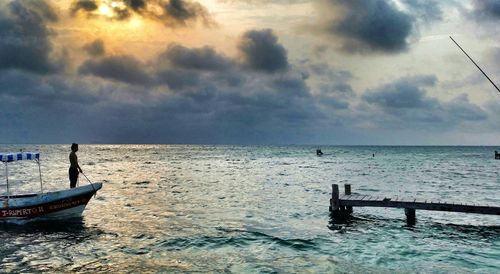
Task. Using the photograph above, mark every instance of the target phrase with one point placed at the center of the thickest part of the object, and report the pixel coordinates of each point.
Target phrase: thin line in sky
(475, 64)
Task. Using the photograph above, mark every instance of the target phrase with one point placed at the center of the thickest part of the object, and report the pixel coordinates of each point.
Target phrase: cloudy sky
(249, 71)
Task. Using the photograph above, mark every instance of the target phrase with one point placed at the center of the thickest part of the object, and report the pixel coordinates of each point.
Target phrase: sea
(256, 209)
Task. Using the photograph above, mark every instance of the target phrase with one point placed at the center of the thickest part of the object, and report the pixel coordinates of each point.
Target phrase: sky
(357, 72)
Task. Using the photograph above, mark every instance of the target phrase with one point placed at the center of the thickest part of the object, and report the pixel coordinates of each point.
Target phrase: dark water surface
(257, 209)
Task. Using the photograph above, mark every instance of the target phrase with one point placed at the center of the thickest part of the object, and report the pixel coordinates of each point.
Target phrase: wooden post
(335, 198)
(347, 190)
(7, 179)
(411, 218)
(40, 171)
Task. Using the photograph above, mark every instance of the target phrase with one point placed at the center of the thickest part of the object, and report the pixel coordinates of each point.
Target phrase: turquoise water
(258, 209)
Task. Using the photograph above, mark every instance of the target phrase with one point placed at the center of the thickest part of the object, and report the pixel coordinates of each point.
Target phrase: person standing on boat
(74, 168)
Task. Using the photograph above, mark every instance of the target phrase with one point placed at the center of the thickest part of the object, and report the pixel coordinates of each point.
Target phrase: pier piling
(411, 217)
(334, 202)
(338, 210)
(347, 191)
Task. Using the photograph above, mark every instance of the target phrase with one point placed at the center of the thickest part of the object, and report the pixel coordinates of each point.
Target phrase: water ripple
(253, 209)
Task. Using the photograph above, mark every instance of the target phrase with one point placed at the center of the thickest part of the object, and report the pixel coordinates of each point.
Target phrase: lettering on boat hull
(45, 208)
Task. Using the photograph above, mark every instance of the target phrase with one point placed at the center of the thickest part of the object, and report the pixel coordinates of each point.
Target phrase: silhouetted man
(74, 168)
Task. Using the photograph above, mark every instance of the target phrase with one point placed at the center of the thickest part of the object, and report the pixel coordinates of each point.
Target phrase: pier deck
(341, 205)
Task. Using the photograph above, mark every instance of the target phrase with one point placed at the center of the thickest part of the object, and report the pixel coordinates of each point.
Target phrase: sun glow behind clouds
(149, 31)
(109, 9)
(105, 10)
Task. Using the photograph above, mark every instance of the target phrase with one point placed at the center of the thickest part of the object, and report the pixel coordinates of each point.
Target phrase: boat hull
(51, 205)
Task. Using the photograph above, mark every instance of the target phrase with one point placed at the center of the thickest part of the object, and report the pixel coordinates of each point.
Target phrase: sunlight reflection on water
(180, 208)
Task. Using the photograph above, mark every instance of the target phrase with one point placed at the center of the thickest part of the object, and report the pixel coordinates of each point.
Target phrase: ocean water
(257, 209)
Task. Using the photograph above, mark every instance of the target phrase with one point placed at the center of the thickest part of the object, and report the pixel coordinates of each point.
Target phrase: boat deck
(3, 197)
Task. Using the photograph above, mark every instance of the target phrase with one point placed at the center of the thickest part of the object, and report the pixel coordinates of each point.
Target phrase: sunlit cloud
(172, 13)
(233, 72)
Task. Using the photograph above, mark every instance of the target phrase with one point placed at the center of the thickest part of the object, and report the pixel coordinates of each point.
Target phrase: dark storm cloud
(493, 110)
(198, 95)
(405, 103)
(425, 10)
(204, 58)
(325, 71)
(136, 5)
(261, 51)
(214, 116)
(334, 95)
(47, 109)
(172, 13)
(95, 48)
(343, 88)
(461, 108)
(268, 103)
(334, 102)
(291, 84)
(189, 80)
(484, 15)
(44, 9)
(375, 26)
(178, 79)
(121, 14)
(181, 11)
(178, 67)
(185, 70)
(260, 2)
(404, 93)
(122, 68)
(44, 91)
(85, 5)
(369, 25)
(25, 38)
(330, 86)
(262, 109)
(182, 68)
(181, 80)
(486, 9)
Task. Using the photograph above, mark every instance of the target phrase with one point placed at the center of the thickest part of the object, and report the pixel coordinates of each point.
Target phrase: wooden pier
(341, 206)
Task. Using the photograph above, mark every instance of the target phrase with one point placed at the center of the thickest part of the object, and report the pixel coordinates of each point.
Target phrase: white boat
(60, 204)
